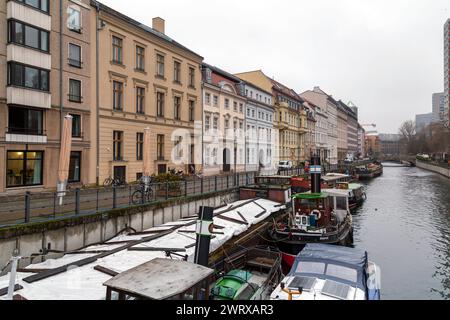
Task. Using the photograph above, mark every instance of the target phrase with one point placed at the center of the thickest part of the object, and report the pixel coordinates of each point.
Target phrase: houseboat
(370, 171)
(250, 274)
(327, 272)
(329, 181)
(357, 194)
(316, 217)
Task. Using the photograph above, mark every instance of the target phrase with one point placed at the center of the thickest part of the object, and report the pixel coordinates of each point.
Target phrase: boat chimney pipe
(204, 230)
(316, 174)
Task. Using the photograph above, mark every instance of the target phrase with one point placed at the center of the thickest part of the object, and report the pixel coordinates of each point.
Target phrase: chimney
(159, 24)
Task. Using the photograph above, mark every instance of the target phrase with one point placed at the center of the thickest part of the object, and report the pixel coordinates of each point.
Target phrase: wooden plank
(87, 252)
(32, 270)
(259, 215)
(232, 220)
(242, 217)
(157, 249)
(4, 291)
(107, 271)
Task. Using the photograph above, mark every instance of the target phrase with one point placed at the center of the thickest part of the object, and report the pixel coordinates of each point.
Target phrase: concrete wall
(430, 167)
(69, 238)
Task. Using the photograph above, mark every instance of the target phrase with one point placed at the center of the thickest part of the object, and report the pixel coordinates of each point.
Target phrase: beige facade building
(224, 122)
(145, 79)
(45, 67)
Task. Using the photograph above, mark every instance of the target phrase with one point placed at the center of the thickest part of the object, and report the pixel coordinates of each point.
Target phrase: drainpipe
(97, 84)
(61, 61)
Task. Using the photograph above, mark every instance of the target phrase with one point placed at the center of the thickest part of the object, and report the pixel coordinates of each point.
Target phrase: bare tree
(408, 130)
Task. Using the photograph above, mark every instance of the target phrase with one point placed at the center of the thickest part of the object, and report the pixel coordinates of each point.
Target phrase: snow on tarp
(85, 283)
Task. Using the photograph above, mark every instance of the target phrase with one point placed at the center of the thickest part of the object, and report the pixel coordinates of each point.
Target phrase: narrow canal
(405, 227)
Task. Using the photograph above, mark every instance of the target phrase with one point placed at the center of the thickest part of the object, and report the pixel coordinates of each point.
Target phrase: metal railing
(44, 206)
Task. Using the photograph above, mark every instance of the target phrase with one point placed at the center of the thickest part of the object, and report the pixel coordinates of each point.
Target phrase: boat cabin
(161, 279)
(316, 211)
(274, 188)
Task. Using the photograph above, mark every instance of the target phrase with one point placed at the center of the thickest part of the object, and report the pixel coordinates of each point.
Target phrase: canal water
(405, 227)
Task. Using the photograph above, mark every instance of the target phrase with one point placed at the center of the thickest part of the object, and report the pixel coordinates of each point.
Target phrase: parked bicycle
(144, 194)
(111, 182)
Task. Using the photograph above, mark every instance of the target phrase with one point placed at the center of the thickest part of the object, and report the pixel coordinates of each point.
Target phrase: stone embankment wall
(48, 240)
(434, 168)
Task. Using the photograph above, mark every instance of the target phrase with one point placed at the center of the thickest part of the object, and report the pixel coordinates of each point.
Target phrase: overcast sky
(386, 56)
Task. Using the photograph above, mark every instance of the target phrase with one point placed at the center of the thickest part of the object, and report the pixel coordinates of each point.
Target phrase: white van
(285, 165)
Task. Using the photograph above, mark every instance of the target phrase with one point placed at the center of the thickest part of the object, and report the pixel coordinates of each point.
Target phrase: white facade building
(259, 117)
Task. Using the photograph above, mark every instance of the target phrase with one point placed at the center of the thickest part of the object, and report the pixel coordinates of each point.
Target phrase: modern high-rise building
(438, 106)
(423, 121)
(447, 71)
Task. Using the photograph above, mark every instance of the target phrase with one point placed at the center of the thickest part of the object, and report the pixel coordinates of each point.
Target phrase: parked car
(285, 165)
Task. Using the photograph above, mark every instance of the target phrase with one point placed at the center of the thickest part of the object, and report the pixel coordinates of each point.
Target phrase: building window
(207, 122)
(41, 5)
(29, 36)
(208, 99)
(191, 110)
(139, 146)
(160, 65)
(235, 106)
(75, 167)
(227, 103)
(216, 123)
(28, 77)
(75, 55)
(117, 47)
(140, 100)
(24, 168)
(74, 19)
(117, 95)
(160, 147)
(75, 91)
(191, 77)
(25, 121)
(118, 145)
(160, 104)
(140, 58)
(177, 108)
(76, 126)
(176, 72)
(216, 101)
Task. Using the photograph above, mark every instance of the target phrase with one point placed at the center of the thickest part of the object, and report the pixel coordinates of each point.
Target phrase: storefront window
(75, 167)
(24, 168)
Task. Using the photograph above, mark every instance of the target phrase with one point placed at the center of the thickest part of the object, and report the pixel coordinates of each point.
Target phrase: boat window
(343, 273)
(310, 267)
(341, 203)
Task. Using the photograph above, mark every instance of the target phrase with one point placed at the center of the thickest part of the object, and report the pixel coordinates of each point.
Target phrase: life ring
(317, 213)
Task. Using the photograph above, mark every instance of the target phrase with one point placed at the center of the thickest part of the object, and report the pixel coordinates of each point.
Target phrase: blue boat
(329, 272)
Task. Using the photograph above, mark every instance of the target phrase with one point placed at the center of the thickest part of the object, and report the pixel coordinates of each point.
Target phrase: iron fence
(45, 206)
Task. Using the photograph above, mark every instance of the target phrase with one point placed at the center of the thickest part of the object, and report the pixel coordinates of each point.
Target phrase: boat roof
(160, 278)
(335, 176)
(337, 192)
(336, 255)
(354, 186)
(310, 196)
(129, 249)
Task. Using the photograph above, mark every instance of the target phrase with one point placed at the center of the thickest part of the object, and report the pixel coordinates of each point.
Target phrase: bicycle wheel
(107, 182)
(149, 195)
(136, 198)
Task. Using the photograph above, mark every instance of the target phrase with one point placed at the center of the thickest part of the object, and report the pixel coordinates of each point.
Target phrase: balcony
(28, 56)
(28, 97)
(26, 135)
(21, 12)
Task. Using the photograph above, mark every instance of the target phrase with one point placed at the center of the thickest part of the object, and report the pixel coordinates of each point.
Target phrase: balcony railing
(26, 131)
(75, 98)
(75, 63)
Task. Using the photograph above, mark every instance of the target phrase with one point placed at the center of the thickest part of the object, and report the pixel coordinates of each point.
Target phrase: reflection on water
(405, 227)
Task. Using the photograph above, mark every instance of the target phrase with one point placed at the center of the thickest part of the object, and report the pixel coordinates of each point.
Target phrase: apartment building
(260, 136)
(310, 137)
(328, 106)
(290, 118)
(342, 131)
(361, 142)
(144, 79)
(446, 112)
(224, 105)
(352, 129)
(46, 75)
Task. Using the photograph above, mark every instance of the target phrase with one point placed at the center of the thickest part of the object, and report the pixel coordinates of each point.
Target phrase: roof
(337, 255)
(310, 196)
(160, 278)
(142, 26)
(222, 72)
